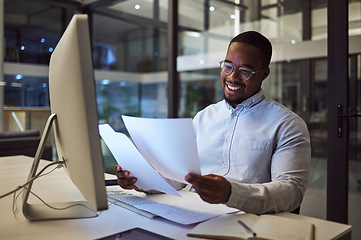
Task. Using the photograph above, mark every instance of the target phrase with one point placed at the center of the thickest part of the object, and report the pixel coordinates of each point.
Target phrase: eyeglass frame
(238, 68)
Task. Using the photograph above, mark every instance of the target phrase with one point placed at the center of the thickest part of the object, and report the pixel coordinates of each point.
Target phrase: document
(265, 226)
(169, 145)
(160, 148)
(189, 209)
(129, 158)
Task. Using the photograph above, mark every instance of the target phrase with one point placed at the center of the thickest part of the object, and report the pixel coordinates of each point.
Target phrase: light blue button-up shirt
(261, 147)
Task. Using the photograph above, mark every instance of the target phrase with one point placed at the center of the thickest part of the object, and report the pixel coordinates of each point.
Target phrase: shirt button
(225, 165)
(246, 107)
(234, 114)
(228, 140)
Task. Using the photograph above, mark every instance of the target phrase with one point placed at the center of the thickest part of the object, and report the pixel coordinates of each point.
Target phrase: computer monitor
(74, 119)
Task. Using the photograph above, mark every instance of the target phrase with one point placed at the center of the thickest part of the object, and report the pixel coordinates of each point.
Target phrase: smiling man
(254, 152)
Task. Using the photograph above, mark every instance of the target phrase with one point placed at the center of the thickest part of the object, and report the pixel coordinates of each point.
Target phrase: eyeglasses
(245, 74)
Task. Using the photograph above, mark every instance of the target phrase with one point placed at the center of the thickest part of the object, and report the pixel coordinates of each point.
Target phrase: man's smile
(232, 88)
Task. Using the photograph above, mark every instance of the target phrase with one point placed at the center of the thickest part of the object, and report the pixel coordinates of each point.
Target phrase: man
(254, 153)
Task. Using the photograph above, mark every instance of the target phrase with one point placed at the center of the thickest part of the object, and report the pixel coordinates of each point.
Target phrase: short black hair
(257, 40)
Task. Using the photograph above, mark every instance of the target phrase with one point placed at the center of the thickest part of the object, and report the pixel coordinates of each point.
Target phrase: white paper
(129, 158)
(186, 210)
(169, 145)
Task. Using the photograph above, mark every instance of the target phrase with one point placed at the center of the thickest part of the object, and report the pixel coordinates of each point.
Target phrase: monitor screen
(74, 107)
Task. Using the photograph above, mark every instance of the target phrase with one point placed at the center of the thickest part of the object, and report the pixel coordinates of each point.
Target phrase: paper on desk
(129, 158)
(169, 145)
(189, 209)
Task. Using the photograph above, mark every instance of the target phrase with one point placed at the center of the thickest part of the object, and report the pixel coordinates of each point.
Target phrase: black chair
(22, 143)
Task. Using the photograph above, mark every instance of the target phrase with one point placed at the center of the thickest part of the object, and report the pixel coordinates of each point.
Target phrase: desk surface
(57, 187)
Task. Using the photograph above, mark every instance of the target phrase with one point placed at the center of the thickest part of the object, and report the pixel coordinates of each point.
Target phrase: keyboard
(130, 202)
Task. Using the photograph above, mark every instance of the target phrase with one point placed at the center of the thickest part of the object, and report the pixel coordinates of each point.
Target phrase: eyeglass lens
(228, 68)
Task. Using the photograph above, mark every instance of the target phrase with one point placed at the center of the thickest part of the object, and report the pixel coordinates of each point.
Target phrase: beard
(232, 102)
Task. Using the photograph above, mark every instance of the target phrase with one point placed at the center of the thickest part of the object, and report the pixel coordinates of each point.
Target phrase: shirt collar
(249, 102)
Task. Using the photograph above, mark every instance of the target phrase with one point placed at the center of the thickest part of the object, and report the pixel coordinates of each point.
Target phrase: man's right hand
(124, 180)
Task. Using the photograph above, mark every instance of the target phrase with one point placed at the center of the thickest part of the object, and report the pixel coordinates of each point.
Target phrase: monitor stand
(38, 212)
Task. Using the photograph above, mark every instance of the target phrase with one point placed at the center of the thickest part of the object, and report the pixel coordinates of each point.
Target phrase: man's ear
(266, 72)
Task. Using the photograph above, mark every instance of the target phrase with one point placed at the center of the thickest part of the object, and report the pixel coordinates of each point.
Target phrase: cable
(62, 208)
(15, 197)
(59, 163)
(38, 175)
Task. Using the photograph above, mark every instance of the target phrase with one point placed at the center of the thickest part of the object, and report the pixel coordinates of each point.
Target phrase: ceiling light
(105, 81)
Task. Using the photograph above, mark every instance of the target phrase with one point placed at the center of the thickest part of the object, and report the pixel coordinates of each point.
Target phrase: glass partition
(132, 48)
(354, 196)
(32, 30)
(26, 91)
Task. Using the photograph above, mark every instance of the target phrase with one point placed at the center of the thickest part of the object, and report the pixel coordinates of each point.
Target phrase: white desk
(58, 187)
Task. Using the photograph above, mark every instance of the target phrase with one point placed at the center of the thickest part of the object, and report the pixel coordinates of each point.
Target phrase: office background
(137, 73)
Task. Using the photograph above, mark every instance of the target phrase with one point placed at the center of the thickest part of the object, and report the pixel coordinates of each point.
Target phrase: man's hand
(211, 188)
(124, 180)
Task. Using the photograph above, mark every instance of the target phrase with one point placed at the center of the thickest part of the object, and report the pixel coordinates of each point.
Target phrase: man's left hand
(211, 188)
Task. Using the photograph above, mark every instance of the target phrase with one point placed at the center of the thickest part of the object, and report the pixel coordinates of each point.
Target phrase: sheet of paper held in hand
(168, 145)
(129, 158)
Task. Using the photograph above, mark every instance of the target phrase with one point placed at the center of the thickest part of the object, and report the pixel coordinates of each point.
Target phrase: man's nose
(234, 75)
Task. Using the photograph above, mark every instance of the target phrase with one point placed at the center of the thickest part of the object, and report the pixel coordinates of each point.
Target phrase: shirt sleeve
(290, 166)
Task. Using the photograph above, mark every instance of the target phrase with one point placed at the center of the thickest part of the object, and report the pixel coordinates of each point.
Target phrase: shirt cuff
(239, 195)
